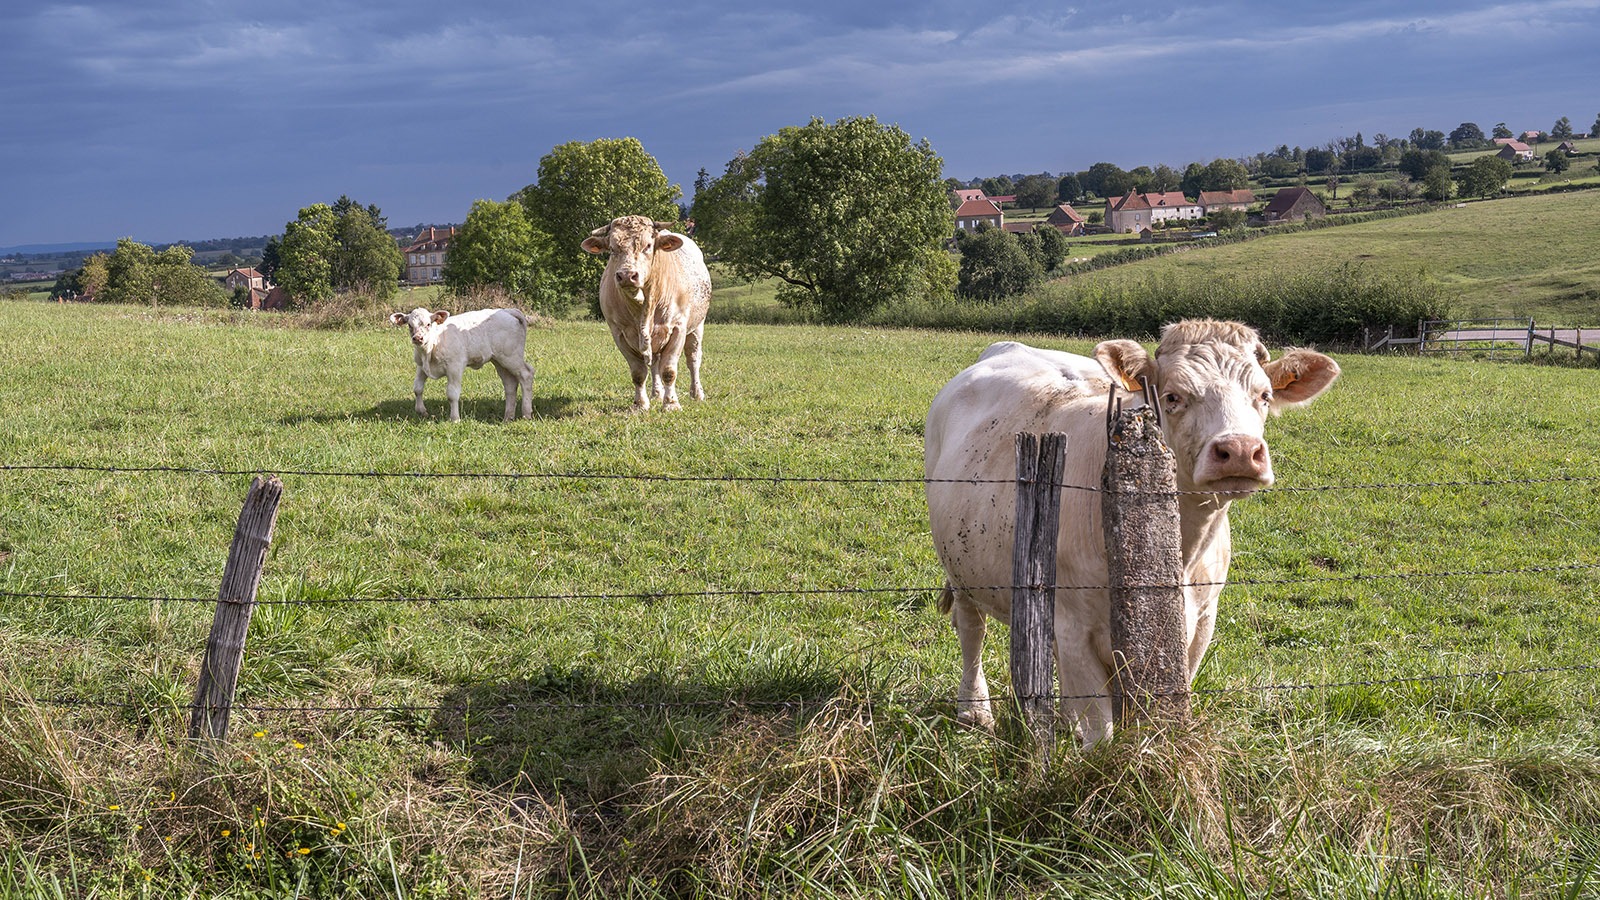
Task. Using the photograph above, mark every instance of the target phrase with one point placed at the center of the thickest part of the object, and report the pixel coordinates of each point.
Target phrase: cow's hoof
(976, 719)
(671, 405)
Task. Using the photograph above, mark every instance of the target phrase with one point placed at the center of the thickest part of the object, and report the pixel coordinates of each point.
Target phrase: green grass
(1450, 788)
(1523, 256)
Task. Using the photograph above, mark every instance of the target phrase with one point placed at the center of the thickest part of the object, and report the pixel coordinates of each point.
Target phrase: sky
(168, 120)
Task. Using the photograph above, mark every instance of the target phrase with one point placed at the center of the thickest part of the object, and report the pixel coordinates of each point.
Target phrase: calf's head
(632, 242)
(420, 321)
(1216, 383)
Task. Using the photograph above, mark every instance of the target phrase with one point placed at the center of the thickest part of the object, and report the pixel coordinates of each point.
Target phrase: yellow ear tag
(1285, 378)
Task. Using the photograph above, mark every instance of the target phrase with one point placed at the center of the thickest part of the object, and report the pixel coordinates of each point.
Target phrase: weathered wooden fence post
(219, 673)
(1040, 461)
(1144, 550)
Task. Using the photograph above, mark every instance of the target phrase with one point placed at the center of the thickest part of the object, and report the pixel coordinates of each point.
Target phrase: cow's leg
(416, 388)
(972, 697)
(1084, 675)
(508, 380)
(452, 390)
(638, 366)
(667, 368)
(691, 349)
(525, 381)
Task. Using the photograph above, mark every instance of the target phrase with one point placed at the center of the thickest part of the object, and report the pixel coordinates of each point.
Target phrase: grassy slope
(1523, 256)
(1470, 780)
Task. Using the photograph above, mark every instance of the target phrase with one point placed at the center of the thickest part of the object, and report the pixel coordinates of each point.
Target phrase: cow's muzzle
(1234, 463)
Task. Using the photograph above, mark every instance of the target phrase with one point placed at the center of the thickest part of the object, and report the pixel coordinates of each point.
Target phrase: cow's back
(970, 436)
(682, 286)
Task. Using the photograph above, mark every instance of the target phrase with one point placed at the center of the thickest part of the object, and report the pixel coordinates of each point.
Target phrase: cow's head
(1216, 384)
(632, 242)
(420, 321)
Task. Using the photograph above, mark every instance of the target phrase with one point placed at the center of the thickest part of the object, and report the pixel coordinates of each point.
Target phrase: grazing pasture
(737, 686)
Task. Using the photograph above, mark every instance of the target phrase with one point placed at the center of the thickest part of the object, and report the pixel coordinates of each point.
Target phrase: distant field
(1521, 256)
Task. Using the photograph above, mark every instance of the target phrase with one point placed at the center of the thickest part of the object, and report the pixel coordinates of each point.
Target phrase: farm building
(1238, 199)
(426, 255)
(1136, 211)
(1293, 204)
(977, 212)
(1515, 151)
(1066, 220)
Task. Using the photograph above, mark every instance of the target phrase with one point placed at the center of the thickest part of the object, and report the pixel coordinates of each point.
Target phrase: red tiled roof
(1167, 199)
(1218, 198)
(1131, 201)
(1064, 214)
(977, 209)
(431, 239)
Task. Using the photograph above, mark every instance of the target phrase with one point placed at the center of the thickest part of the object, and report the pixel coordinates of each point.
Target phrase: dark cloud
(169, 120)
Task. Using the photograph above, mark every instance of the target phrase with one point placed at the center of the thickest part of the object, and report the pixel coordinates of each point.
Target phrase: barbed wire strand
(755, 479)
(923, 703)
(806, 592)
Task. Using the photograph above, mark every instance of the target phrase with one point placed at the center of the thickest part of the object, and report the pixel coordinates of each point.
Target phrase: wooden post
(1528, 354)
(1040, 462)
(1144, 549)
(219, 673)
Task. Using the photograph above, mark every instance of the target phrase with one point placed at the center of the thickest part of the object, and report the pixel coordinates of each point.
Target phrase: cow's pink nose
(1239, 455)
(628, 278)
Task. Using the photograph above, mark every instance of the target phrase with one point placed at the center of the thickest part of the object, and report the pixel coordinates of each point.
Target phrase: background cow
(654, 295)
(444, 345)
(1216, 385)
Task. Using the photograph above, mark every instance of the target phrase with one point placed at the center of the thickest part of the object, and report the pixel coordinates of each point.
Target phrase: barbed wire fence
(915, 704)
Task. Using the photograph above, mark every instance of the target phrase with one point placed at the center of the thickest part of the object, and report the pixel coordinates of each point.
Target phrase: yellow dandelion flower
(261, 734)
(304, 851)
(227, 832)
(341, 826)
(113, 807)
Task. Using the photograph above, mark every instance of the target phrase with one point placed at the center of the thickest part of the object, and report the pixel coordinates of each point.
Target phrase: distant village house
(1211, 201)
(1515, 151)
(1293, 204)
(979, 211)
(426, 255)
(1066, 220)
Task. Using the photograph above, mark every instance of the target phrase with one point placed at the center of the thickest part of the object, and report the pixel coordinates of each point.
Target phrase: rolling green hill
(1519, 256)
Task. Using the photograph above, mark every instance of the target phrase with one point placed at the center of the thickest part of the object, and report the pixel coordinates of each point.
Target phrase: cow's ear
(1298, 376)
(1125, 361)
(439, 316)
(599, 246)
(668, 241)
(397, 318)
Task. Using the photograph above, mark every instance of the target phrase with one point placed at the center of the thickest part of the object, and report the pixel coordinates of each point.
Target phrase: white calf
(445, 345)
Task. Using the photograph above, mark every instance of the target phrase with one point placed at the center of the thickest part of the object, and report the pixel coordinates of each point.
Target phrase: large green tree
(1467, 136)
(1556, 161)
(848, 215)
(1562, 130)
(137, 273)
(497, 247)
(582, 186)
(305, 255)
(1035, 191)
(366, 258)
(995, 264)
(1484, 177)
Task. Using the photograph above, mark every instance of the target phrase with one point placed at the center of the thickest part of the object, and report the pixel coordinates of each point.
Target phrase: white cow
(446, 344)
(654, 295)
(1216, 385)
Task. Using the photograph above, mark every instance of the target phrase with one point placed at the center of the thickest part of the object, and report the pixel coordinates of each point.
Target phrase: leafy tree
(1416, 163)
(271, 259)
(1069, 190)
(306, 254)
(1468, 135)
(994, 265)
(1594, 130)
(847, 215)
(366, 258)
(1094, 180)
(1501, 131)
(1556, 161)
(1046, 245)
(1035, 191)
(1436, 184)
(1427, 140)
(581, 187)
(1279, 167)
(997, 186)
(1165, 178)
(85, 282)
(1361, 158)
(1562, 131)
(1223, 175)
(1398, 189)
(1226, 218)
(1364, 190)
(496, 247)
(136, 273)
(1484, 177)
(1320, 161)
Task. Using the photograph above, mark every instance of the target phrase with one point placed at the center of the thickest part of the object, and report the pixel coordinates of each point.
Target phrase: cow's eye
(1171, 399)
(1266, 396)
